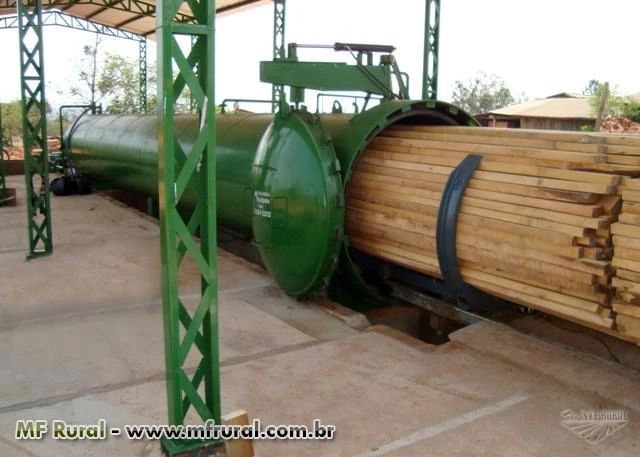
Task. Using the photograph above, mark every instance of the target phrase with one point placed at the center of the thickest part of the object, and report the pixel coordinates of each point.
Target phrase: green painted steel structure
(181, 167)
(34, 127)
(3, 181)
(142, 75)
(431, 50)
(140, 8)
(61, 19)
(279, 46)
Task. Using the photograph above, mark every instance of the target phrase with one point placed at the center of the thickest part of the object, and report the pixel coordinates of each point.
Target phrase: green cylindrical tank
(280, 178)
(122, 151)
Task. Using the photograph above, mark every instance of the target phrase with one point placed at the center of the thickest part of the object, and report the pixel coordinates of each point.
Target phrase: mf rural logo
(595, 425)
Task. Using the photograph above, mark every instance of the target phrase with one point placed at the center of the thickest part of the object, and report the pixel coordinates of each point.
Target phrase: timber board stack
(626, 260)
(535, 222)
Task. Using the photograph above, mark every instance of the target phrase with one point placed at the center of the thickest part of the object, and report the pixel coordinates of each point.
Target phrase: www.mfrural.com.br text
(35, 429)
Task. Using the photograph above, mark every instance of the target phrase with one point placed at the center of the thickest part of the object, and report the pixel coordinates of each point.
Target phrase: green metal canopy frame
(60, 19)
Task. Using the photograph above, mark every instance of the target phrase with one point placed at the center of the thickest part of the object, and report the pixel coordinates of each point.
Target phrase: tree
(617, 105)
(482, 94)
(12, 118)
(592, 88)
(119, 80)
(87, 87)
(114, 81)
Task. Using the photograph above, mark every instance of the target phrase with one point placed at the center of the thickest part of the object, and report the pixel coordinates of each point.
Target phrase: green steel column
(142, 67)
(431, 49)
(279, 47)
(3, 183)
(188, 333)
(34, 127)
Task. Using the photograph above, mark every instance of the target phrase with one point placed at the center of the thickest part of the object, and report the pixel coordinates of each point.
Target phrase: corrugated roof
(135, 16)
(567, 108)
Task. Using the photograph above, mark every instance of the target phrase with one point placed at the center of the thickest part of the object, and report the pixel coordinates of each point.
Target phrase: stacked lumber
(626, 260)
(535, 223)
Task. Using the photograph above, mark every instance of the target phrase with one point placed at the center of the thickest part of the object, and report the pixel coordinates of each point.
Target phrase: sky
(538, 48)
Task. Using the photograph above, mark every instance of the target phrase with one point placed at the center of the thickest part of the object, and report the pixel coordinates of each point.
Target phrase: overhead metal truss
(431, 50)
(61, 19)
(66, 20)
(188, 332)
(34, 129)
(279, 46)
(139, 8)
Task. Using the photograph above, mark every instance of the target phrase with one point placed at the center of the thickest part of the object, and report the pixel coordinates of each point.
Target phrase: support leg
(34, 128)
(3, 182)
(188, 333)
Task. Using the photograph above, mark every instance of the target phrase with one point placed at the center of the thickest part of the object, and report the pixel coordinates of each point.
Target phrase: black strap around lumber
(447, 228)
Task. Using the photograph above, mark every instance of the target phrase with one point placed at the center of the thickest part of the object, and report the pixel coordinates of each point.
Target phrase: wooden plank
(488, 234)
(626, 242)
(530, 191)
(572, 137)
(239, 447)
(623, 170)
(550, 157)
(630, 195)
(630, 207)
(566, 287)
(496, 140)
(626, 309)
(625, 263)
(623, 160)
(628, 325)
(629, 218)
(587, 318)
(552, 205)
(632, 231)
(627, 253)
(549, 215)
(515, 286)
(628, 274)
(631, 183)
(523, 220)
(525, 250)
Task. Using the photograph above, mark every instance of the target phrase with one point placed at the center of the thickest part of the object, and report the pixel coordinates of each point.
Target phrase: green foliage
(617, 105)
(12, 119)
(586, 128)
(632, 110)
(119, 79)
(482, 94)
(112, 80)
(592, 87)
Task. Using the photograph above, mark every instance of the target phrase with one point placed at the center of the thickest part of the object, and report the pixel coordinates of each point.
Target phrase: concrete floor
(81, 339)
